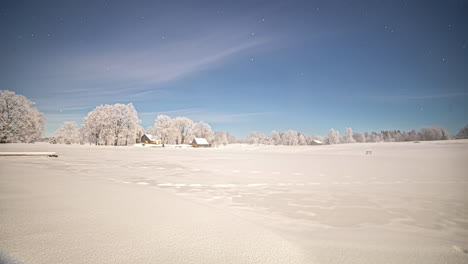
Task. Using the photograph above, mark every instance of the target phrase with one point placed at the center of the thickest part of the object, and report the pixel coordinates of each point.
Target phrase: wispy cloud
(137, 65)
(107, 76)
(118, 71)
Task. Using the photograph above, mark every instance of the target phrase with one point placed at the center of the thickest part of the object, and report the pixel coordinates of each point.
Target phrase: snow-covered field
(405, 203)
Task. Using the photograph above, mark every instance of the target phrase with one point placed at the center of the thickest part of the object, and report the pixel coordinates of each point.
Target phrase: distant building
(149, 139)
(200, 143)
(316, 142)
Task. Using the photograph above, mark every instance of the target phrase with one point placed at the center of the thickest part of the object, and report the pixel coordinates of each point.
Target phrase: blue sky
(243, 66)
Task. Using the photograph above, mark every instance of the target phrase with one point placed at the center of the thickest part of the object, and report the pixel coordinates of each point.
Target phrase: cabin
(200, 143)
(316, 142)
(149, 139)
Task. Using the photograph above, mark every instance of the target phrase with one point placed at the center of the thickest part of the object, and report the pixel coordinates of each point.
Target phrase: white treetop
(231, 139)
(220, 138)
(463, 133)
(333, 137)
(95, 124)
(256, 138)
(164, 128)
(290, 138)
(67, 133)
(203, 130)
(123, 122)
(115, 124)
(302, 140)
(185, 128)
(19, 120)
(275, 138)
(349, 136)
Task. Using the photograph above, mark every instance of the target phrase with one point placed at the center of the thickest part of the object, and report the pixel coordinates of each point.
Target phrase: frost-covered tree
(140, 131)
(203, 130)
(255, 137)
(231, 139)
(375, 137)
(115, 124)
(185, 128)
(275, 138)
(302, 139)
(164, 128)
(290, 138)
(122, 123)
(220, 139)
(67, 133)
(359, 137)
(333, 137)
(413, 135)
(434, 133)
(388, 136)
(349, 136)
(95, 125)
(82, 135)
(19, 120)
(463, 133)
(397, 136)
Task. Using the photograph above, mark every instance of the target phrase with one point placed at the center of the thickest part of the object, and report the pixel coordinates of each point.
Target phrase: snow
(407, 203)
(150, 137)
(201, 141)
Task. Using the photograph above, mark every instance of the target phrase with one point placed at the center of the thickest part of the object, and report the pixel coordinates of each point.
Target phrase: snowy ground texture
(405, 203)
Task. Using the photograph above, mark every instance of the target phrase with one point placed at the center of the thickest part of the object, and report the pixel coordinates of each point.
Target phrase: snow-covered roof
(201, 141)
(150, 137)
(317, 141)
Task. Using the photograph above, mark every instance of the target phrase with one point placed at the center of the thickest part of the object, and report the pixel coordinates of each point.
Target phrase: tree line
(292, 138)
(118, 124)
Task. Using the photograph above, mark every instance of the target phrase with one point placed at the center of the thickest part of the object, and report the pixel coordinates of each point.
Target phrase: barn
(150, 139)
(200, 143)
